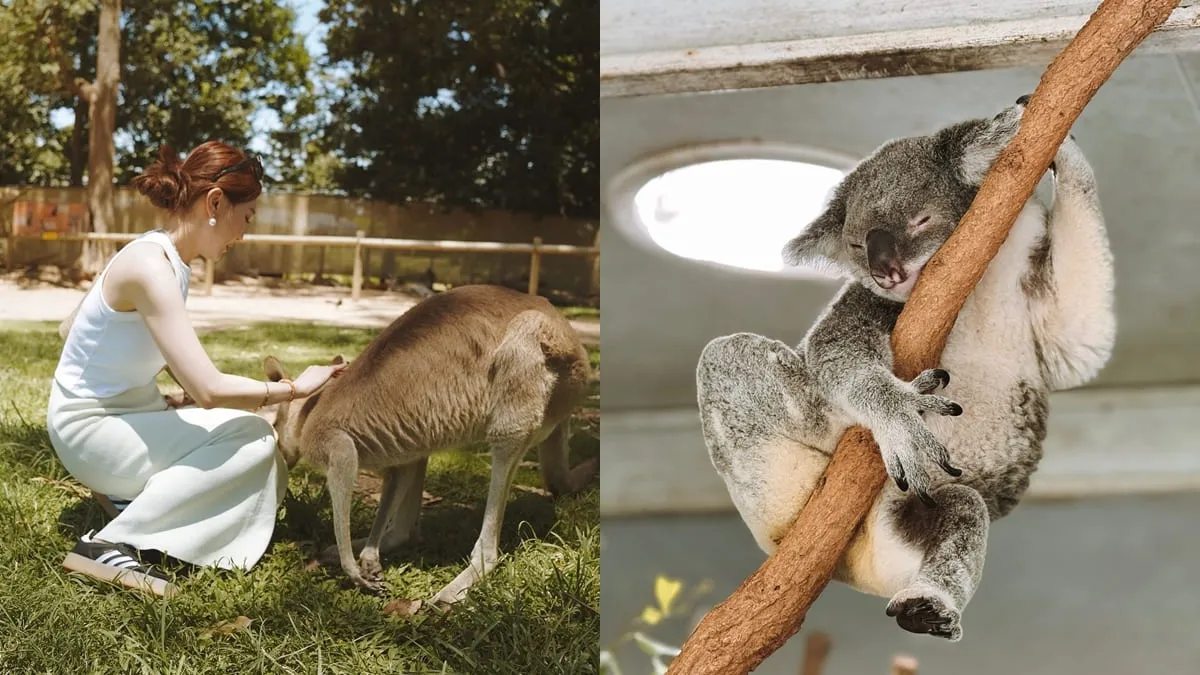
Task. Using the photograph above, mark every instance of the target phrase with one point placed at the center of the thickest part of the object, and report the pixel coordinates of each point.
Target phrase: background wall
(340, 216)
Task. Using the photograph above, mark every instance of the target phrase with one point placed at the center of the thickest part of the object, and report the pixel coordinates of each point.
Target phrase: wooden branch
(924, 51)
(51, 20)
(769, 607)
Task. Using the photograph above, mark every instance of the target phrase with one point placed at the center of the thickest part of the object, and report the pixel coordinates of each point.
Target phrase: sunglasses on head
(252, 162)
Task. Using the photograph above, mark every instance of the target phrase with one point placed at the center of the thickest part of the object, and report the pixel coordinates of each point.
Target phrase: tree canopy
(477, 103)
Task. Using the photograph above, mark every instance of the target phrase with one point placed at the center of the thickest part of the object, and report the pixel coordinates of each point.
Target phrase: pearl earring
(212, 222)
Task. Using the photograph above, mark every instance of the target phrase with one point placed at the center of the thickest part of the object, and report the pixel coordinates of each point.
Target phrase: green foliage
(189, 72)
(195, 71)
(486, 103)
(534, 614)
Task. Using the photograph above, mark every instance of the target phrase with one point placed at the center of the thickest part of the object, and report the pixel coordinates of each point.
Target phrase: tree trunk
(102, 115)
(78, 133)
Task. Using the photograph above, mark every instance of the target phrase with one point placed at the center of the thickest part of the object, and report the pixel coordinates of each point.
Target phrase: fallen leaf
(534, 490)
(402, 607)
(228, 627)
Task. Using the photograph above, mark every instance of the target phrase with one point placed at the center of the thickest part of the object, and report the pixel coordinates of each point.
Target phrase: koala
(960, 442)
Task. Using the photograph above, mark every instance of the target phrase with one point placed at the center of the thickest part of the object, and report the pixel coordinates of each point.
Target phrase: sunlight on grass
(537, 613)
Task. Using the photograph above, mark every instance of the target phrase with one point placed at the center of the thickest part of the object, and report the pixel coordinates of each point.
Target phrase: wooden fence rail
(359, 243)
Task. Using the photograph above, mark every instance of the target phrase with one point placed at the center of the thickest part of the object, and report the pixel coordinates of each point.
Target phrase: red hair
(175, 186)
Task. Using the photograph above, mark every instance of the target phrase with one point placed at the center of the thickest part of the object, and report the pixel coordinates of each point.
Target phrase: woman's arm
(145, 280)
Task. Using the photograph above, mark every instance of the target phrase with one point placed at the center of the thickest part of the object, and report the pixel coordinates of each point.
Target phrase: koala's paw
(925, 610)
(903, 453)
(1071, 169)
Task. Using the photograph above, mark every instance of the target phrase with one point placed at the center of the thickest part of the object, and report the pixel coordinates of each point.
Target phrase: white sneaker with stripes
(121, 563)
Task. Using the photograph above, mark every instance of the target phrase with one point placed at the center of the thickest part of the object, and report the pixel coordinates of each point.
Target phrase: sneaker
(111, 506)
(121, 563)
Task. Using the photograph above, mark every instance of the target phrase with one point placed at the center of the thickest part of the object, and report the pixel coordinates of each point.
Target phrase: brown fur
(474, 364)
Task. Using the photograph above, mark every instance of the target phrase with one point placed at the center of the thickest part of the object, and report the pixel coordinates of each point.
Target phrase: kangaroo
(474, 364)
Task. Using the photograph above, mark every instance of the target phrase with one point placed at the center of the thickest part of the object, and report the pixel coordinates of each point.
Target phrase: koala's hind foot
(952, 539)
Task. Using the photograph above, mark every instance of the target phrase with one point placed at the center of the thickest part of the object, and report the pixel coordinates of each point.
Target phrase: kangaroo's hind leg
(506, 457)
(554, 461)
(521, 390)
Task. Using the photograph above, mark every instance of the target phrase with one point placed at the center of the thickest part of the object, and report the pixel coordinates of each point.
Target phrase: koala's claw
(938, 404)
(946, 466)
(929, 381)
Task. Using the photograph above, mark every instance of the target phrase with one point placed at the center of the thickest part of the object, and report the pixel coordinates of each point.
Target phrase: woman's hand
(180, 401)
(315, 377)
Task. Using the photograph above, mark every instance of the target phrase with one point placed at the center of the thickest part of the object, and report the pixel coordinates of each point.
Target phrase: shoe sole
(129, 578)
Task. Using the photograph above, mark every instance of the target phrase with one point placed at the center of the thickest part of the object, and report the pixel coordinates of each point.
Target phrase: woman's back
(108, 352)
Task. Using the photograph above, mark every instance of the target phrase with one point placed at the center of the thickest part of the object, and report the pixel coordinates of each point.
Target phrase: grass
(536, 613)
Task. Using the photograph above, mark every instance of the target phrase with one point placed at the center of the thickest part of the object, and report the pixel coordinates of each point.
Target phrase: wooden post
(210, 273)
(535, 266)
(904, 665)
(769, 607)
(356, 287)
(816, 652)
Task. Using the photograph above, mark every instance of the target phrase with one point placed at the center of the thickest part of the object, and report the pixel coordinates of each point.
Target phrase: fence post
(356, 286)
(535, 266)
(210, 271)
(10, 249)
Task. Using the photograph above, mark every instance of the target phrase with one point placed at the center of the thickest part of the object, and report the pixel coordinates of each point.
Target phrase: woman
(202, 483)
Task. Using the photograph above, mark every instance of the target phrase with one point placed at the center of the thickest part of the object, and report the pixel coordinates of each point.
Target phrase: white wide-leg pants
(205, 484)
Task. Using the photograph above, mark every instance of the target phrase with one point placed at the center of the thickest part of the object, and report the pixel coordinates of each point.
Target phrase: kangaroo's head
(288, 417)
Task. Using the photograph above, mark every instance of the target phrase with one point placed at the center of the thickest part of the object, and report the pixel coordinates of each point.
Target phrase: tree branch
(769, 607)
(50, 21)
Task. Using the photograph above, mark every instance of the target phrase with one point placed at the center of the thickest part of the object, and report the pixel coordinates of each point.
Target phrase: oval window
(721, 208)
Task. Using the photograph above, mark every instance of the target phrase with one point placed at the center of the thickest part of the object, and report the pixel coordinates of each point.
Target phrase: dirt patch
(236, 304)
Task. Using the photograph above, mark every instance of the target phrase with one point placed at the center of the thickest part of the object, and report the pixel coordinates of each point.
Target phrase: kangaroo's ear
(274, 369)
(820, 244)
(337, 360)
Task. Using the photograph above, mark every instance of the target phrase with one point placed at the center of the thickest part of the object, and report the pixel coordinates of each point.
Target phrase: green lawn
(537, 613)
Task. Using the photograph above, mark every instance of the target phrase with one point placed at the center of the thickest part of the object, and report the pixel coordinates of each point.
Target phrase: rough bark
(769, 607)
(101, 96)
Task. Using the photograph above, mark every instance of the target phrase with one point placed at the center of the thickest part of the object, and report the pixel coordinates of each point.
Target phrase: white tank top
(109, 352)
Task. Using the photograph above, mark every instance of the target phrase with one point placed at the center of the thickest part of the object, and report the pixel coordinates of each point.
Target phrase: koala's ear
(977, 143)
(820, 244)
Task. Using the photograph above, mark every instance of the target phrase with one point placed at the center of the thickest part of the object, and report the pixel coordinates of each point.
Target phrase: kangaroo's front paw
(925, 610)
(370, 583)
(370, 566)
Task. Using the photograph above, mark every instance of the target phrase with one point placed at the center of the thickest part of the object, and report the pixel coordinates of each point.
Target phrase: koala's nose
(883, 258)
(1024, 100)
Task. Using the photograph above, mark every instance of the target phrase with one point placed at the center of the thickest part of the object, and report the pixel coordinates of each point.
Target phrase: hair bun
(164, 181)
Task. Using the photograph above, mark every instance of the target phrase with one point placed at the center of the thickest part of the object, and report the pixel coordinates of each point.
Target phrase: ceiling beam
(926, 51)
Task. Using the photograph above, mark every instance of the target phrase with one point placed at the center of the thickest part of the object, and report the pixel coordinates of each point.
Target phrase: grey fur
(772, 415)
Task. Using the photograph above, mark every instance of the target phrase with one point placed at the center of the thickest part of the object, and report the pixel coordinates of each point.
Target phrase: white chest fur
(992, 346)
